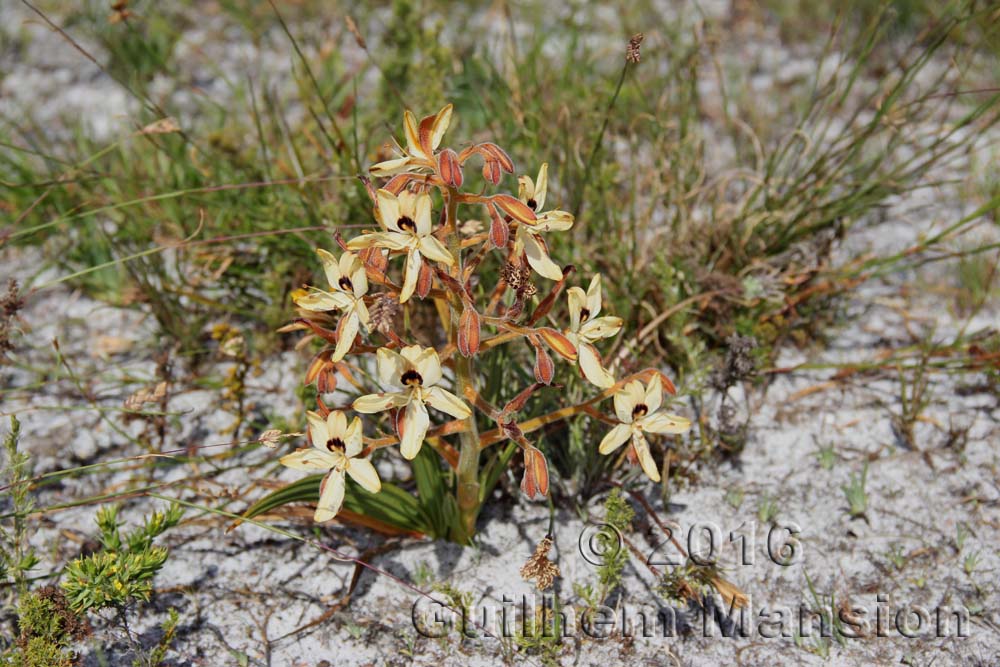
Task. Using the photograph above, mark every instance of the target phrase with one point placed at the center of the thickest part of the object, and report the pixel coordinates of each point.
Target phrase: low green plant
(767, 509)
(122, 571)
(17, 556)
(47, 628)
(614, 555)
(856, 494)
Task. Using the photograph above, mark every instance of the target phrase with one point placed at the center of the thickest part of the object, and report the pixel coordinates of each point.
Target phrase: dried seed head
(632, 54)
(146, 395)
(539, 567)
(383, 313)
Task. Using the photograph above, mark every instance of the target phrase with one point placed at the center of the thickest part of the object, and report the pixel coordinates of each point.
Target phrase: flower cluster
(356, 314)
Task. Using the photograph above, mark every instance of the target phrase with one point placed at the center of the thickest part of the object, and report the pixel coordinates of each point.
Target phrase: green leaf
(392, 505)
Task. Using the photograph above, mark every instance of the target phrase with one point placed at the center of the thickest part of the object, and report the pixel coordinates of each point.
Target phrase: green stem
(467, 488)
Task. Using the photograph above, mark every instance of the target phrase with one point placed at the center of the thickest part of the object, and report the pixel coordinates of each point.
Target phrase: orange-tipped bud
(323, 372)
(499, 155)
(536, 474)
(544, 368)
(515, 208)
(468, 332)
(449, 168)
(425, 279)
(499, 230)
(559, 343)
(492, 171)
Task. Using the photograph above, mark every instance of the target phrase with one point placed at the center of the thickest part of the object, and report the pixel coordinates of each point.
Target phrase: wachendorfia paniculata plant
(421, 268)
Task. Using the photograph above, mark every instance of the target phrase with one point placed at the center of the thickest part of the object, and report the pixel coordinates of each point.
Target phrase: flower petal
(441, 123)
(602, 327)
(553, 221)
(411, 129)
(330, 266)
(541, 186)
(371, 403)
(391, 367)
(319, 433)
(435, 250)
(538, 257)
(415, 424)
(664, 424)
(445, 401)
(390, 240)
(615, 438)
(427, 363)
(422, 215)
(393, 167)
(526, 189)
(626, 399)
(336, 424)
(590, 364)
(354, 438)
(363, 472)
(594, 296)
(348, 332)
(331, 496)
(645, 458)
(322, 301)
(654, 394)
(362, 310)
(308, 459)
(359, 278)
(410, 274)
(577, 299)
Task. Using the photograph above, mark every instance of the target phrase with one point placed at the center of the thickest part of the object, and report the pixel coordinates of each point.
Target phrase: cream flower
(348, 286)
(422, 139)
(335, 448)
(638, 410)
(528, 237)
(586, 328)
(407, 223)
(416, 370)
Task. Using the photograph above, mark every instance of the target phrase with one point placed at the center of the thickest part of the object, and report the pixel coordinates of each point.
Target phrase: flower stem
(467, 488)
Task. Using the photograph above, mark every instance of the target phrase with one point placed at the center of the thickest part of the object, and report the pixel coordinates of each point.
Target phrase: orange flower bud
(492, 172)
(515, 208)
(449, 168)
(468, 332)
(544, 368)
(425, 279)
(536, 474)
(559, 343)
(499, 230)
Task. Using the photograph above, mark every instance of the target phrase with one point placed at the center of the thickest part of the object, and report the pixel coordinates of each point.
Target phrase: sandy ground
(252, 597)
